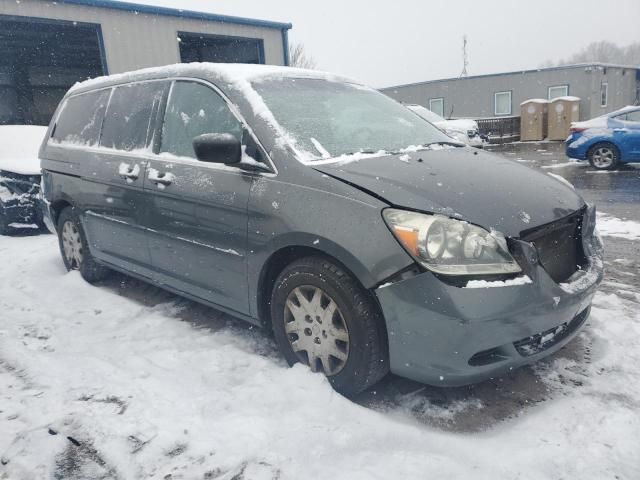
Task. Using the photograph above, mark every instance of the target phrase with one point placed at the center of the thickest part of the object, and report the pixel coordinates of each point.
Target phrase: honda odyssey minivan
(362, 235)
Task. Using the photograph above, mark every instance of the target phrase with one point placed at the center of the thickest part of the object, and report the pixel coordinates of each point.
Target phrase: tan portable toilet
(562, 111)
(533, 119)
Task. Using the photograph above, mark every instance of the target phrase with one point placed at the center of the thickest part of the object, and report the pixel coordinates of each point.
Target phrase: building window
(502, 103)
(558, 91)
(604, 93)
(436, 105)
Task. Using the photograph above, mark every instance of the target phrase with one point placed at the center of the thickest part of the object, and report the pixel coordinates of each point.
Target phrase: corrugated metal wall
(474, 96)
(137, 40)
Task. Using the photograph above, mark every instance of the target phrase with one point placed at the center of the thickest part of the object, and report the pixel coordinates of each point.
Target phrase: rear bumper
(446, 335)
(579, 153)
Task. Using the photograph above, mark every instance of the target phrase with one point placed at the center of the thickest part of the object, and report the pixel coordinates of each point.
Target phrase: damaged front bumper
(19, 199)
(447, 335)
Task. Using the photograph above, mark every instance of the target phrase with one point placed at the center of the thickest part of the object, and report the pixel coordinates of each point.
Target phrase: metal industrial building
(601, 88)
(47, 46)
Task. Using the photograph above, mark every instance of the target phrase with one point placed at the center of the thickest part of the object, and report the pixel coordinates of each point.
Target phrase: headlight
(448, 246)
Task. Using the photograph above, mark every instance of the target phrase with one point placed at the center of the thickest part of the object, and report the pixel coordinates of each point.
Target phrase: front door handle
(129, 173)
(161, 179)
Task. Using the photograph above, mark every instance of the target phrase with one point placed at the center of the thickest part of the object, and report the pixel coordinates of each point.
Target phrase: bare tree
(298, 56)
(605, 52)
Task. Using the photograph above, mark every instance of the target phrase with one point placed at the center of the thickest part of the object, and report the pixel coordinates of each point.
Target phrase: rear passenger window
(128, 124)
(80, 119)
(194, 109)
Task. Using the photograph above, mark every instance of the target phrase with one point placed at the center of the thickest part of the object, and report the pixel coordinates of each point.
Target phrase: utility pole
(465, 57)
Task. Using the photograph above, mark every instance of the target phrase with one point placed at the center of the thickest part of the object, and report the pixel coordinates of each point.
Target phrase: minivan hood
(479, 187)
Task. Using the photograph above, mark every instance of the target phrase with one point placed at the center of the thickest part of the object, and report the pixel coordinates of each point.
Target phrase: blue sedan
(607, 141)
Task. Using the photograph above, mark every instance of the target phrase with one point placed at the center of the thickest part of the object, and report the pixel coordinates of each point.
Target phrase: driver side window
(194, 109)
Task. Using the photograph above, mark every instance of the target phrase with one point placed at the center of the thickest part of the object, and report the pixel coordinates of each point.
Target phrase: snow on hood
(19, 145)
(462, 124)
(479, 187)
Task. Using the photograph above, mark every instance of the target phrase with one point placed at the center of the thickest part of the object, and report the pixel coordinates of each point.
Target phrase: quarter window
(194, 109)
(436, 105)
(558, 91)
(502, 103)
(129, 122)
(633, 116)
(80, 119)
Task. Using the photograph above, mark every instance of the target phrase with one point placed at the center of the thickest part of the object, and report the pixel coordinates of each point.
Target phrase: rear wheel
(324, 319)
(74, 248)
(604, 156)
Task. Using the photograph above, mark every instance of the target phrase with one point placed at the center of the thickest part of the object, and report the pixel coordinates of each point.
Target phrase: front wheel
(74, 248)
(604, 156)
(324, 319)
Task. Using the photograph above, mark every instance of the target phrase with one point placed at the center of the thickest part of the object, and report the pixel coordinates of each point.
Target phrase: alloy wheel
(603, 157)
(316, 329)
(72, 245)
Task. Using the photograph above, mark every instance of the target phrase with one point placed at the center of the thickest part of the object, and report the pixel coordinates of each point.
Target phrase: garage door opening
(39, 60)
(195, 47)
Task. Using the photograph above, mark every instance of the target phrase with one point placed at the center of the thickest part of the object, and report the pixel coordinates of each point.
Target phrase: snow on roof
(535, 100)
(232, 73)
(19, 145)
(566, 98)
(517, 72)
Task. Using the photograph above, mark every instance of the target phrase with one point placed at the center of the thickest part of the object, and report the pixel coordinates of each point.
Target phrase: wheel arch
(286, 255)
(600, 143)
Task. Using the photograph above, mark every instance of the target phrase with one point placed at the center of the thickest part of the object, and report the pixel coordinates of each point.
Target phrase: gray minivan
(363, 236)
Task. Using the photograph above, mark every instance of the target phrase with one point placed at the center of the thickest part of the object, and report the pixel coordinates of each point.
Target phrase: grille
(559, 246)
(543, 340)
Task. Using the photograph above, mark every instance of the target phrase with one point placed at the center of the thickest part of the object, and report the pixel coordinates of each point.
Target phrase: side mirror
(217, 148)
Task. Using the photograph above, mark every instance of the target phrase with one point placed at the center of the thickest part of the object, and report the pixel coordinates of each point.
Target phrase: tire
(74, 248)
(354, 330)
(604, 156)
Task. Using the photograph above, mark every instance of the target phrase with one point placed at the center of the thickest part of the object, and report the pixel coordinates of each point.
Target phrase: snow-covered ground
(610, 226)
(124, 381)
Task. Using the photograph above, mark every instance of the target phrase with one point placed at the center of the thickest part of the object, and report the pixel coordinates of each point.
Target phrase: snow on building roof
(517, 72)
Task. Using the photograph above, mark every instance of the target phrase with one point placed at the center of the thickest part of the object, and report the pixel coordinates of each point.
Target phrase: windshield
(328, 119)
(427, 114)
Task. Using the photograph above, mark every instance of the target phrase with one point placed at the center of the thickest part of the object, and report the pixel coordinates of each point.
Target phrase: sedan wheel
(316, 330)
(603, 157)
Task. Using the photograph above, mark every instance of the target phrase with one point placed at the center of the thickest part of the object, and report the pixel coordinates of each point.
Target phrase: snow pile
(610, 226)
(19, 145)
(125, 381)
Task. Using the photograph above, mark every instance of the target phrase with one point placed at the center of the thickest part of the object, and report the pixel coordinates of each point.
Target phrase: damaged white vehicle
(20, 177)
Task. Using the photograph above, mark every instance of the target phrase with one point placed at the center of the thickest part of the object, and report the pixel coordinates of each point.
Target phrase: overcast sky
(402, 41)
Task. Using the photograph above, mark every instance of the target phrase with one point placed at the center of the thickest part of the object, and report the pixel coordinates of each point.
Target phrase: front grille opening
(559, 246)
(487, 357)
(541, 341)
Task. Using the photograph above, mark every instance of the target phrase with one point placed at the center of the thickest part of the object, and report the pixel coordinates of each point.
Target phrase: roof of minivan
(227, 73)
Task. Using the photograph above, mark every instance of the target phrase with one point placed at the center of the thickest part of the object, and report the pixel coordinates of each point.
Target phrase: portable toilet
(562, 111)
(533, 119)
